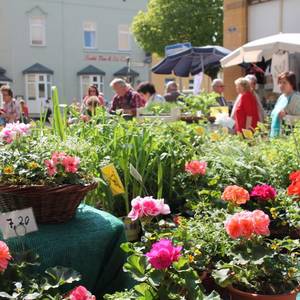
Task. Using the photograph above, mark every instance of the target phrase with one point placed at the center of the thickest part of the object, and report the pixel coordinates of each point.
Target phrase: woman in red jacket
(245, 111)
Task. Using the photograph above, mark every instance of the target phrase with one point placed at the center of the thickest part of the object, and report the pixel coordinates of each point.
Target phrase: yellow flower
(215, 137)
(200, 131)
(33, 165)
(8, 170)
(191, 258)
(274, 247)
(274, 213)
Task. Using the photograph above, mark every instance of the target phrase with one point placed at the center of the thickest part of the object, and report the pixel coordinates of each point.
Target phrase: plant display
(17, 281)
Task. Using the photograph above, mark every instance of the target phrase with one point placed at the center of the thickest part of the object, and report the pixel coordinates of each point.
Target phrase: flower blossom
(163, 254)
(5, 256)
(264, 192)
(12, 131)
(147, 207)
(235, 194)
(196, 167)
(246, 224)
(81, 293)
(294, 187)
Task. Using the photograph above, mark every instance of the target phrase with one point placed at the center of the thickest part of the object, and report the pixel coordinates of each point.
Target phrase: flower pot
(132, 229)
(240, 295)
(50, 204)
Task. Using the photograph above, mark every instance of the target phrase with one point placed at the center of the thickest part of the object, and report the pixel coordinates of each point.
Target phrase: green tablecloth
(89, 244)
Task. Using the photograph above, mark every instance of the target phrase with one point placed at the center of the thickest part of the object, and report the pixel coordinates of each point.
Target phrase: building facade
(248, 20)
(70, 44)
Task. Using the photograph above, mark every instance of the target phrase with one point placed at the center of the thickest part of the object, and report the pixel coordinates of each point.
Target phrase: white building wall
(265, 18)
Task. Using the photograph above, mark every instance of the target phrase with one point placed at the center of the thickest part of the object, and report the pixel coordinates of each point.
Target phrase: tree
(177, 21)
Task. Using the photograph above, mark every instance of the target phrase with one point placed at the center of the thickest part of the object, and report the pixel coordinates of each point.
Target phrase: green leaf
(136, 265)
(59, 276)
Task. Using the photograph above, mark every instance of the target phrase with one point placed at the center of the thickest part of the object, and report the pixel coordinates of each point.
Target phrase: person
(148, 91)
(47, 110)
(218, 87)
(24, 111)
(93, 91)
(91, 105)
(287, 104)
(125, 98)
(245, 111)
(172, 93)
(253, 82)
(10, 111)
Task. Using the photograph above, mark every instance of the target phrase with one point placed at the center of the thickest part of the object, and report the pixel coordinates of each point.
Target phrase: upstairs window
(89, 35)
(124, 38)
(37, 31)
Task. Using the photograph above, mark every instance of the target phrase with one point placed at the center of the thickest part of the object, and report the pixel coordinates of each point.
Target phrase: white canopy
(254, 51)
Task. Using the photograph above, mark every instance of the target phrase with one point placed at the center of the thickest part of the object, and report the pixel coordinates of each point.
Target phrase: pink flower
(196, 167)
(51, 167)
(81, 293)
(261, 222)
(13, 131)
(233, 227)
(5, 256)
(71, 164)
(264, 192)
(246, 224)
(147, 207)
(163, 254)
(57, 157)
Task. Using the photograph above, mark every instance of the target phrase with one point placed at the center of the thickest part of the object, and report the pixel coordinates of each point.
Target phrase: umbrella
(191, 61)
(263, 48)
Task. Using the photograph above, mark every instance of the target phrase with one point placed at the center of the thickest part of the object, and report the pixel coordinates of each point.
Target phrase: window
(87, 80)
(38, 87)
(37, 31)
(124, 38)
(89, 35)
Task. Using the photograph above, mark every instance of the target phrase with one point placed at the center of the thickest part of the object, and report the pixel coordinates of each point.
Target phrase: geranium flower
(57, 157)
(196, 167)
(71, 164)
(81, 293)
(235, 194)
(51, 167)
(246, 224)
(264, 192)
(13, 131)
(5, 256)
(163, 254)
(148, 207)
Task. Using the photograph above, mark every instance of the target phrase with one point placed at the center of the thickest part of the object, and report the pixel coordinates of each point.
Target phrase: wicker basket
(56, 204)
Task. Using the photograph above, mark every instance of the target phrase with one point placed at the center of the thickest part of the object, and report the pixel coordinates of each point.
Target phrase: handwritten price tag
(112, 177)
(17, 223)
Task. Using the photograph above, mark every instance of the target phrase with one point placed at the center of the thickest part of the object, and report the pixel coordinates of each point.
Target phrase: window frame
(94, 24)
(43, 28)
(123, 32)
(47, 83)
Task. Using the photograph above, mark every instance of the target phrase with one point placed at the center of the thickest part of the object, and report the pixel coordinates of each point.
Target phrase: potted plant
(18, 281)
(257, 267)
(39, 170)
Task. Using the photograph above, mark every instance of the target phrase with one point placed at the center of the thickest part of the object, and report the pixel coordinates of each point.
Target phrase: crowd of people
(246, 111)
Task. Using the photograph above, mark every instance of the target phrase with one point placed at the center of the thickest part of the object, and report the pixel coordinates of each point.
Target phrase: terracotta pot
(132, 229)
(240, 295)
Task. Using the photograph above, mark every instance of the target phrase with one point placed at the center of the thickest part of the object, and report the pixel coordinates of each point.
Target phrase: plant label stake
(17, 223)
(135, 174)
(112, 177)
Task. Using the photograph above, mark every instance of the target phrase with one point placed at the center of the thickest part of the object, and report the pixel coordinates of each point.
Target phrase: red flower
(81, 293)
(196, 167)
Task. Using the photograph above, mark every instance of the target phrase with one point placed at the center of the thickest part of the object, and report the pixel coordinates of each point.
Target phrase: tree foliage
(168, 22)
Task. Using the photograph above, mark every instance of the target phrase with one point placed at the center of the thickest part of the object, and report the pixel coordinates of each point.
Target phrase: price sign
(17, 223)
(112, 177)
